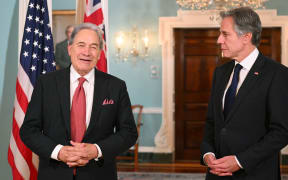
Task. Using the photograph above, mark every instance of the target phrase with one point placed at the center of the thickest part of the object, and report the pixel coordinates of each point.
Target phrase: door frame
(165, 138)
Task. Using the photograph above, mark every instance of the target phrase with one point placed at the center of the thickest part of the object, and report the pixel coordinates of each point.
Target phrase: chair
(137, 110)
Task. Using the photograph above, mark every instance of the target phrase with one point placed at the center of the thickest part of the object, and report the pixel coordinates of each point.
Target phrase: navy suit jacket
(47, 124)
(256, 128)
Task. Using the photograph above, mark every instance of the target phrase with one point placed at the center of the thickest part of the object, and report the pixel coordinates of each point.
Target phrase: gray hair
(90, 26)
(245, 20)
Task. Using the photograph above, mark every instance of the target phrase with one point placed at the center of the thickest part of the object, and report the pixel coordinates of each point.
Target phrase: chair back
(137, 109)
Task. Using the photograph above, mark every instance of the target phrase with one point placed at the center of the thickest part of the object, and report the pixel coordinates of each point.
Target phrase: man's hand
(84, 151)
(224, 166)
(67, 154)
(78, 154)
(208, 159)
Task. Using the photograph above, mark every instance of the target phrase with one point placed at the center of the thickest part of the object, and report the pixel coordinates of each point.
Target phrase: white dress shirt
(246, 63)
(88, 86)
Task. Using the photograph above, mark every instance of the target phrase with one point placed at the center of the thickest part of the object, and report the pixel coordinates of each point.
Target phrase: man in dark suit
(62, 57)
(79, 119)
(247, 118)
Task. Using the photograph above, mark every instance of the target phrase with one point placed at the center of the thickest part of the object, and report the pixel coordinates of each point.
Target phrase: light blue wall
(151, 124)
(143, 15)
(63, 4)
(8, 71)
(123, 14)
(280, 5)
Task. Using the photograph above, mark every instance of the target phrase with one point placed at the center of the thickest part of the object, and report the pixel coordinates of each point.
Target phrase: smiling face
(232, 44)
(84, 51)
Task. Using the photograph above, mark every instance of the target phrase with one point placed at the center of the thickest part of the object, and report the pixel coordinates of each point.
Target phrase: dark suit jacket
(47, 124)
(62, 57)
(256, 128)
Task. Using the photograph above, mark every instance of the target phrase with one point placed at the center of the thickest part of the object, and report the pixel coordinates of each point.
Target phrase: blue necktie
(231, 92)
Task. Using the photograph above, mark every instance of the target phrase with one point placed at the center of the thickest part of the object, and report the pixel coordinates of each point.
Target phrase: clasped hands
(221, 167)
(78, 154)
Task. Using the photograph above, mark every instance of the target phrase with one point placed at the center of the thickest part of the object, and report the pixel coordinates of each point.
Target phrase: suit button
(223, 131)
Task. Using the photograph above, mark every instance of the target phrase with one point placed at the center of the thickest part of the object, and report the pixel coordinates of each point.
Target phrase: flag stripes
(36, 58)
(94, 14)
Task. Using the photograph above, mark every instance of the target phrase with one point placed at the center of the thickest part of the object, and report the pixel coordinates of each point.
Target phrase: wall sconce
(131, 45)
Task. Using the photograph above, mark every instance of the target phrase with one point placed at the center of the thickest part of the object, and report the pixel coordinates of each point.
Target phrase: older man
(247, 119)
(79, 119)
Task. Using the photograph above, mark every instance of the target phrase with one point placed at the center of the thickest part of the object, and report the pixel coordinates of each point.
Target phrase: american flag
(36, 58)
(94, 14)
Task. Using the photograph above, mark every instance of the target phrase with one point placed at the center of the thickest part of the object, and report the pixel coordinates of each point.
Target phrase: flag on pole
(94, 14)
(36, 58)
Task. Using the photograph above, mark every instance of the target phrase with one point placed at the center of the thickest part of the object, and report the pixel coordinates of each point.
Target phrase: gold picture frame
(61, 19)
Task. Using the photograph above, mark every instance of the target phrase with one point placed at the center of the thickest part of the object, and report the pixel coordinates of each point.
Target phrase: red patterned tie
(78, 113)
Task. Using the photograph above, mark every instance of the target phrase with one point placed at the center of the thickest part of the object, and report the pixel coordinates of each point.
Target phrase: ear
(247, 38)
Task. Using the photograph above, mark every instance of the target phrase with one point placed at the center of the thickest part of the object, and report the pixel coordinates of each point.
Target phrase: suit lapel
(99, 94)
(63, 84)
(224, 78)
(248, 83)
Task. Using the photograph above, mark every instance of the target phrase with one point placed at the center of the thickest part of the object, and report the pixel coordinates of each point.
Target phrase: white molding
(151, 110)
(165, 138)
(152, 149)
(146, 149)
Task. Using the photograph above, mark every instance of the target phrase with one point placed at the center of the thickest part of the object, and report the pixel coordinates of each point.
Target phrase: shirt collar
(248, 62)
(74, 75)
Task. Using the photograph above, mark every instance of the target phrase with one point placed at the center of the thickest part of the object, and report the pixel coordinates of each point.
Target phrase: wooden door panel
(199, 97)
(193, 128)
(270, 44)
(193, 80)
(199, 68)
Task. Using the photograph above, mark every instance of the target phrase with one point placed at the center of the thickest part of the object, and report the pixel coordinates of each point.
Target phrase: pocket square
(107, 101)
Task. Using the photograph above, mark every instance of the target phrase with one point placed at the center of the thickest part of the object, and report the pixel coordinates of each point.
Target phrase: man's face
(84, 51)
(232, 45)
(69, 32)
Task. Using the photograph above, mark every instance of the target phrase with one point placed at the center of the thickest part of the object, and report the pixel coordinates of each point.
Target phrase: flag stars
(46, 49)
(35, 43)
(33, 68)
(27, 42)
(34, 56)
(37, 19)
(28, 29)
(25, 54)
(31, 5)
(37, 47)
(36, 31)
(30, 17)
(48, 37)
